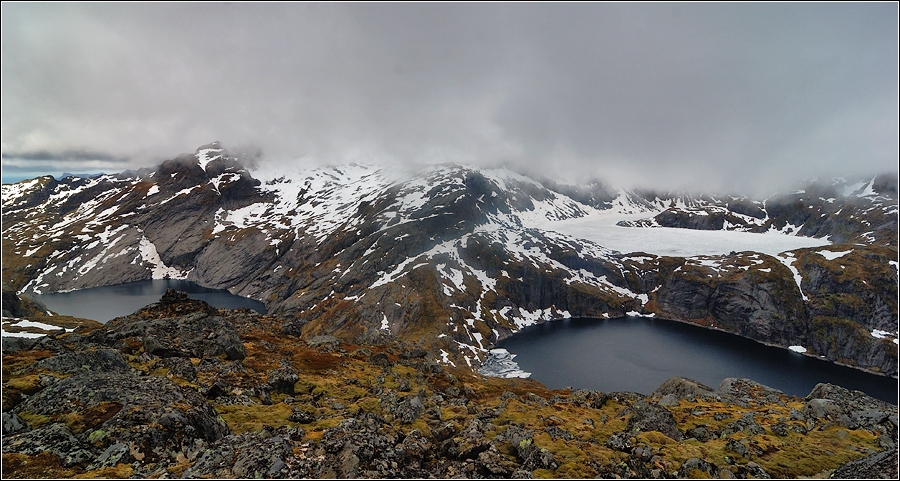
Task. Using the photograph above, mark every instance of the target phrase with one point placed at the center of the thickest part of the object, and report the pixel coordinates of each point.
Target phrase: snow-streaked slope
(458, 254)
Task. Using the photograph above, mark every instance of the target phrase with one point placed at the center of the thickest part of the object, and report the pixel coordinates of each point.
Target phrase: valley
(419, 273)
(456, 259)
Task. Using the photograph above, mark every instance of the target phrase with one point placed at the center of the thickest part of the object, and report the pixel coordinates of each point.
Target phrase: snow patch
(445, 358)
(831, 255)
(23, 323)
(159, 269)
(788, 260)
(500, 364)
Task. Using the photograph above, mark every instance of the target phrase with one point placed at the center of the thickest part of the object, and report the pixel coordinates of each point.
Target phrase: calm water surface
(638, 354)
(108, 302)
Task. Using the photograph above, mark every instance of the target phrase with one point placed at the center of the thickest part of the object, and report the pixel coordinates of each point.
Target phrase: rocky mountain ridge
(146, 396)
(454, 259)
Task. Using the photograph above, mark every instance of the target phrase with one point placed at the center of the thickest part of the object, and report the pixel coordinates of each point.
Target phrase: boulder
(13, 424)
(649, 416)
(683, 388)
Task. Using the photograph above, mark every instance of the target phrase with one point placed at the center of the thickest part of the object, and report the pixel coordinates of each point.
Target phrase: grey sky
(729, 96)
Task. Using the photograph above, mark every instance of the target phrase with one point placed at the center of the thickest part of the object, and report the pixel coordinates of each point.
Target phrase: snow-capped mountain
(456, 258)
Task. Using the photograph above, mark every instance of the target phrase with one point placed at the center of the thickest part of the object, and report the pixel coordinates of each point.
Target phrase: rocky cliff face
(452, 258)
(146, 397)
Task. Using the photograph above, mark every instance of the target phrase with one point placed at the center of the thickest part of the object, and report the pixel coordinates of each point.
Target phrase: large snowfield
(600, 227)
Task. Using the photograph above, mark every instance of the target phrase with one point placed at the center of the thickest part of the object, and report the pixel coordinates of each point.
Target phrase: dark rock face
(21, 306)
(835, 321)
(699, 220)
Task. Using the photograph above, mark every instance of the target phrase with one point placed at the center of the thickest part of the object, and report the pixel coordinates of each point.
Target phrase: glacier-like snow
(600, 227)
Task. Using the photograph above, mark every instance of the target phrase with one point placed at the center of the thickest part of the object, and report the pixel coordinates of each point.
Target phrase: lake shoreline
(711, 328)
(682, 354)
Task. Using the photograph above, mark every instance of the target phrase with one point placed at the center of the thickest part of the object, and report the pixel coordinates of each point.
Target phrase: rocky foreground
(183, 390)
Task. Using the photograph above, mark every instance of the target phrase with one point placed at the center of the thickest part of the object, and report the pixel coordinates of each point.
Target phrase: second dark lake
(638, 354)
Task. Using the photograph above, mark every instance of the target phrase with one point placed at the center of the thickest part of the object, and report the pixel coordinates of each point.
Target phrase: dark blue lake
(638, 354)
(105, 303)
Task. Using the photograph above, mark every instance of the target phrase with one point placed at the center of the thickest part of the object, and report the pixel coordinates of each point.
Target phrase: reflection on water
(638, 354)
(108, 302)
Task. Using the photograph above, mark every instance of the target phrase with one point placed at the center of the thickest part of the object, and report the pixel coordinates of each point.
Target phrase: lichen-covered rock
(118, 453)
(282, 379)
(746, 391)
(746, 424)
(153, 414)
(179, 367)
(301, 416)
(92, 360)
(649, 416)
(415, 446)
(697, 468)
(702, 433)
(620, 442)
(851, 409)
(263, 454)
(55, 439)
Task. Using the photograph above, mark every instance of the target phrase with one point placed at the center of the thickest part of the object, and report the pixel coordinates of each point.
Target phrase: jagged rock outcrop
(194, 330)
(852, 409)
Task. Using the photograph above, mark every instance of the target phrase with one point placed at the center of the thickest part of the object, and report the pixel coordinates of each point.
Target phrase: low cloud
(738, 97)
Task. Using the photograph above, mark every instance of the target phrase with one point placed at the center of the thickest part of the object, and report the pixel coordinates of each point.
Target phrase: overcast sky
(737, 97)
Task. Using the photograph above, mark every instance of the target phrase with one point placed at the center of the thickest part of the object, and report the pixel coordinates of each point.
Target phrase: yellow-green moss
(242, 419)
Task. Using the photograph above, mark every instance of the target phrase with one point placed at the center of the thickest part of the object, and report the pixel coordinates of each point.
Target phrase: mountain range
(453, 258)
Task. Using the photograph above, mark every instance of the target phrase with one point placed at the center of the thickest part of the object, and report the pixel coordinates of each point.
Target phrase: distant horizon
(859, 177)
(13, 179)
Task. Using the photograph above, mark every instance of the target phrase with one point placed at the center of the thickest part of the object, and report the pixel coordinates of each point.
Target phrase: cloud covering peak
(722, 96)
